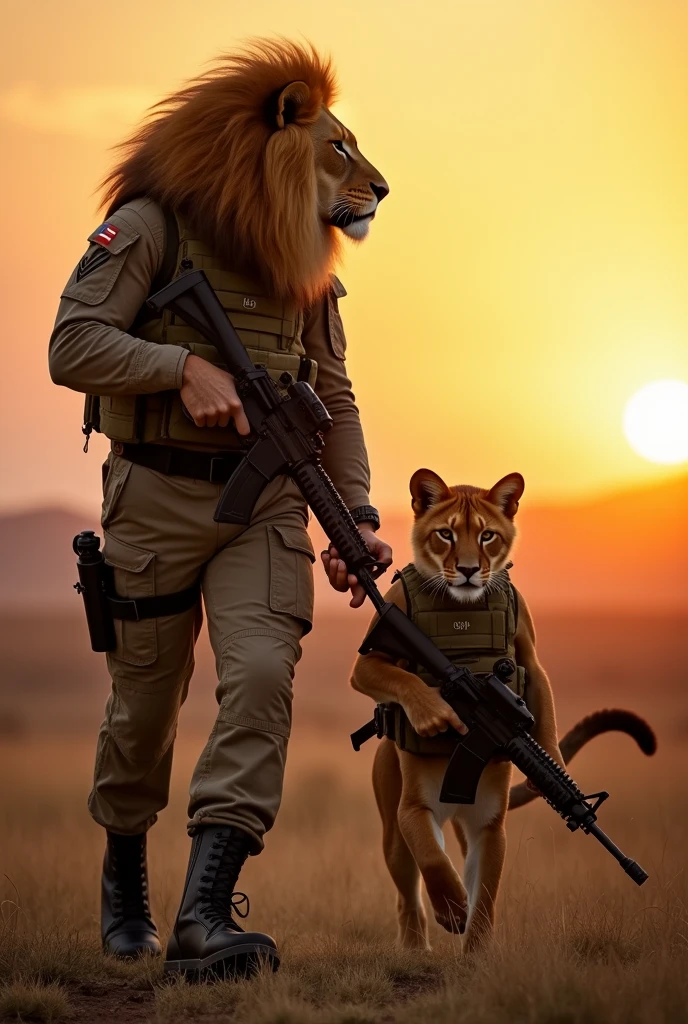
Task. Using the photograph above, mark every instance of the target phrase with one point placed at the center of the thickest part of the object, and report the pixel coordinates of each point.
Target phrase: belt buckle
(217, 462)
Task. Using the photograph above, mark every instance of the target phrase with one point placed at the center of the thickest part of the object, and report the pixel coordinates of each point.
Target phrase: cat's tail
(609, 720)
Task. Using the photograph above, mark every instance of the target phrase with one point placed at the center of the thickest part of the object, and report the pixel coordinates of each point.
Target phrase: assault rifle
(287, 422)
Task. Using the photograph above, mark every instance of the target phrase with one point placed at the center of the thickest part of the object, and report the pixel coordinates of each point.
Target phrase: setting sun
(656, 421)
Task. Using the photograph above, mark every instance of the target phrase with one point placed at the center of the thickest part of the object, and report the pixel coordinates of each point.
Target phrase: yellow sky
(527, 273)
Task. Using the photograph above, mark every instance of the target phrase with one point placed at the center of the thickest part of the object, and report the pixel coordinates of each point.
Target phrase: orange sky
(527, 273)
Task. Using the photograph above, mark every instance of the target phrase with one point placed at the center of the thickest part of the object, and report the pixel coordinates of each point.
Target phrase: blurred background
(522, 283)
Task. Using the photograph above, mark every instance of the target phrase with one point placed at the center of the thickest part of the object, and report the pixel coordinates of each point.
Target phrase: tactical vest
(269, 328)
(475, 635)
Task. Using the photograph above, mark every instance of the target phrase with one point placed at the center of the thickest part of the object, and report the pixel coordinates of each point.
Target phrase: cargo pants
(257, 588)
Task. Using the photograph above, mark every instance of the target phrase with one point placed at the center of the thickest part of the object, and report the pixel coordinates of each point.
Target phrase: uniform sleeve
(90, 349)
(345, 458)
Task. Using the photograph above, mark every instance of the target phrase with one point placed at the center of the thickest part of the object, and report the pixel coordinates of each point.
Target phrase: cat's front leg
(385, 681)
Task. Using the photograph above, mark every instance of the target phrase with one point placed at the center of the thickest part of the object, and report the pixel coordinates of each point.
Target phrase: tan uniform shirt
(91, 351)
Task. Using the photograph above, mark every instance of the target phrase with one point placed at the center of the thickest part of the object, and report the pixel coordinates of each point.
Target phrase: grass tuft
(33, 1001)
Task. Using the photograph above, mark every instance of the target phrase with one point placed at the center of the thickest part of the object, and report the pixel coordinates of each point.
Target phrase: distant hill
(627, 551)
(37, 564)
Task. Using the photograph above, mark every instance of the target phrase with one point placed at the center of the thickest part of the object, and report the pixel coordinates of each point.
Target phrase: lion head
(250, 153)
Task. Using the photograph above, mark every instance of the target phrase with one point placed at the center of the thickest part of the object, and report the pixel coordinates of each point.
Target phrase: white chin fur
(466, 593)
(359, 228)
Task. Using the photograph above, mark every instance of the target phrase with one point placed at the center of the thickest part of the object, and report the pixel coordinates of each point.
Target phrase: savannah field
(576, 941)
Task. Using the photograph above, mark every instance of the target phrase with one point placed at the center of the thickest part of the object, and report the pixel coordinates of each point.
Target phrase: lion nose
(467, 570)
(381, 189)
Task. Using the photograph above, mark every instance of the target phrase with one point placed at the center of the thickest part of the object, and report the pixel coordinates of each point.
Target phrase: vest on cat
(475, 636)
(269, 328)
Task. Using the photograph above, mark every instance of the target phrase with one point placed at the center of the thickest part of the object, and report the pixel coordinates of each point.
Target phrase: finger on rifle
(358, 594)
(241, 422)
(457, 724)
(338, 574)
(384, 553)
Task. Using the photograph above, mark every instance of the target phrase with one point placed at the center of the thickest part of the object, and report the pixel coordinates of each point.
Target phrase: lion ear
(292, 97)
(427, 489)
(506, 494)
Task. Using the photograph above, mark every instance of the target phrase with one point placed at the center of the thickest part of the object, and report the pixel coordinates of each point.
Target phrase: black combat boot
(126, 924)
(206, 941)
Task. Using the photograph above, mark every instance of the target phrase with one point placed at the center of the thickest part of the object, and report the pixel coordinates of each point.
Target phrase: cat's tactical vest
(269, 328)
(475, 635)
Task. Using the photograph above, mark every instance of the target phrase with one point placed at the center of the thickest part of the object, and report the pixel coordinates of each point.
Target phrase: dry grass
(33, 1001)
(576, 941)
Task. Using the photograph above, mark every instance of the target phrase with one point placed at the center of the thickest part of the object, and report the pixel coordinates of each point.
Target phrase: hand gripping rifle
(287, 423)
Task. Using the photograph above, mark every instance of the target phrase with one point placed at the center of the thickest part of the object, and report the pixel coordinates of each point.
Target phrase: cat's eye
(487, 535)
(446, 534)
(339, 146)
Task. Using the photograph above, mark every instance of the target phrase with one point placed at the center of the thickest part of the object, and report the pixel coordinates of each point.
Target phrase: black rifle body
(287, 426)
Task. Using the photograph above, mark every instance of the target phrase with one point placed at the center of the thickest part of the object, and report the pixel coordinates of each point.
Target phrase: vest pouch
(458, 630)
(122, 417)
(407, 739)
(166, 420)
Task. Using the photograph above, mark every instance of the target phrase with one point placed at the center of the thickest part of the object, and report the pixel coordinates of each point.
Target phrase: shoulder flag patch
(105, 234)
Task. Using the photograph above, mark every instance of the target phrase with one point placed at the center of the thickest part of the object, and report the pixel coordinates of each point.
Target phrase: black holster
(103, 605)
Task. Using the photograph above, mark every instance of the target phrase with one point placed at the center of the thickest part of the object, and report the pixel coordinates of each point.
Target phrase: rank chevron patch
(91, 261)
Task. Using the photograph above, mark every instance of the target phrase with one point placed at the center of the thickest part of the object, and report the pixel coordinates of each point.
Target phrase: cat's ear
(506, 494)
(427, 489)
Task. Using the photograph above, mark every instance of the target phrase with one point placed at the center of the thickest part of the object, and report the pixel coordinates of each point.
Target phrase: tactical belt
(172, 461)
(135, 609)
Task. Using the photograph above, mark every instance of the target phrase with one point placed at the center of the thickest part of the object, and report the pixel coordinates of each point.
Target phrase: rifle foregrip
(332, 514)
(557, 787)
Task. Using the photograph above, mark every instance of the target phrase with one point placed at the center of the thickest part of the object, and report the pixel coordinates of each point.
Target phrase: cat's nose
(380, 189)
(467, 570)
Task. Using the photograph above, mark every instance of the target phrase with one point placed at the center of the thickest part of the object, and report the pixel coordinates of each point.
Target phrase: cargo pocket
(291, 576)
(133, 571)
(115, 474)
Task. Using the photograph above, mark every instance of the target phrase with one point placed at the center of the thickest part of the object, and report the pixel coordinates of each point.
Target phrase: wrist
(366, 516)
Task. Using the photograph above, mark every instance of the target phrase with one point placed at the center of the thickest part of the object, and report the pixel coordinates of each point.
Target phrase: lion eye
(339, 146)
(446, 534)
(487, 535)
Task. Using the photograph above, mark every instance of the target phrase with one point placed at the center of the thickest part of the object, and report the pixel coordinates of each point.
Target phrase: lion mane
(215, 152)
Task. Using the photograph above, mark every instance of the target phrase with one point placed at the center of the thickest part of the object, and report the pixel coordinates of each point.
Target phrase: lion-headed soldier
(246, 174)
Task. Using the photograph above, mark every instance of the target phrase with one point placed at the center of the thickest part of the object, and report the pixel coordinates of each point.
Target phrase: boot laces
(130, 889)
(218, 898)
